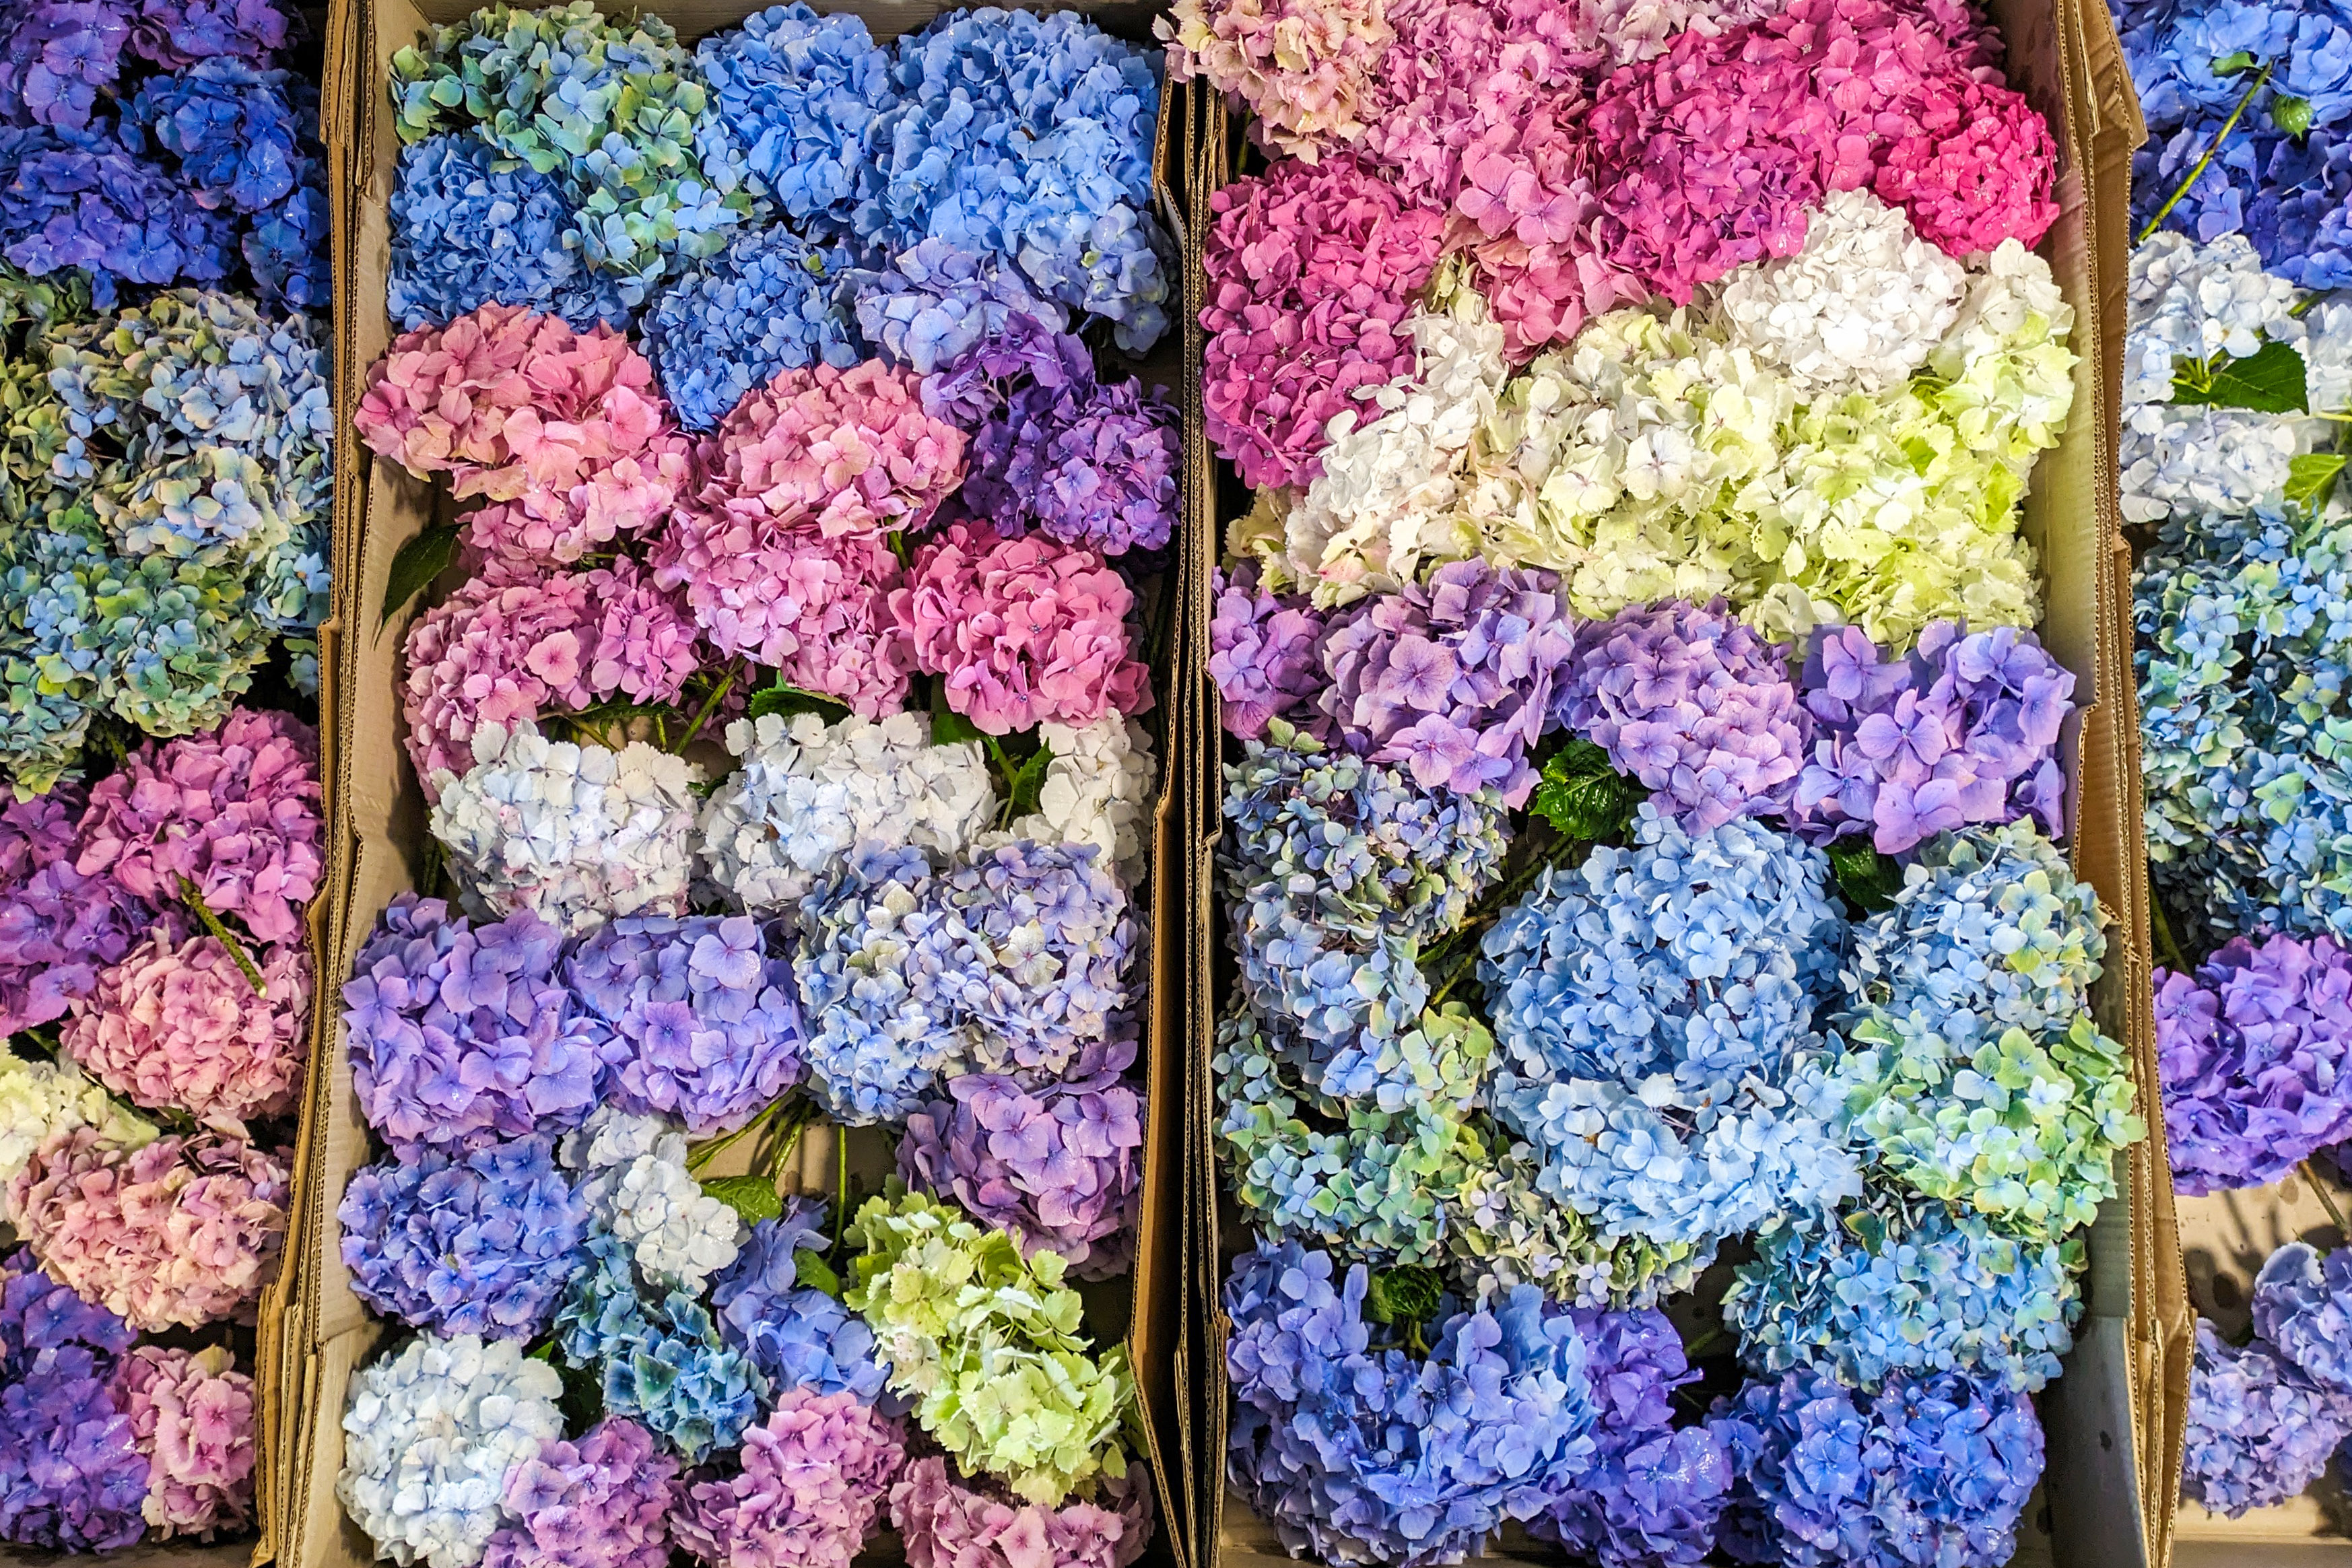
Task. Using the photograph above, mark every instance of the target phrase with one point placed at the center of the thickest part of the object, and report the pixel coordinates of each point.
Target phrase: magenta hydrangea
(948, 1521)
(237, 814)
(2255, 1051)
(1312, 269)
(457, 1029)
(601, 1503)
(1963, 729)
(59, 929)
(1451, 678)
(1057, 1167)
(813, 1477)
(191, 1414)
(1977, 167)
(178, 1025)
(1265, 653)
(1693, 705)
(698, 1017)
(1022, 631)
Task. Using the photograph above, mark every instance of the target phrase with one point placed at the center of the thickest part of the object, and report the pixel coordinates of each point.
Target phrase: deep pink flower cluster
(560, 433)
(499, 651)
(238, 814)
(192, 1415)
(1311, 272)
(812, 1479)
(58, 928)
(177, 1025)
(601, 1503)
(1975, 168)
(946, 1522)
(184, 1231)
(1021, 630)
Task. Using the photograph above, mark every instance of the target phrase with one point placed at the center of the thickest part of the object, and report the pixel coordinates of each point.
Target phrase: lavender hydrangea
(1087, 462)
(696, 1017)
(1693, 704)
(58, 58)
(1265, 653)
(1058, 1169)
(770, 301)
(1906, 1285)
(1356, 1452)
(1452, 678)
(39, 1317)
(937, 306)
(600, 1502)
(884, 1028)
(471, 228)
(457, 1029)
(479, 1242)
(71, 1474)
(2259, 1431)
(1963, 730)
(1006, 348)
(796, 1334)
(797, 92)
(659, 1360)
(2255, 1051)
(1653, 1495)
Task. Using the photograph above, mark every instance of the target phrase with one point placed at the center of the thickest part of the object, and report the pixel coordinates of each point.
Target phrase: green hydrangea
(1505, 1232)
(993, 1347)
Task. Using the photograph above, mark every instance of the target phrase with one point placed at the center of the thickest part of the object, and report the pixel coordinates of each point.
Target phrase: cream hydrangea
(40, 1099)
(638, 1188)
(2195, 301)
(1097, 790)
(809, 793)
(578, 834)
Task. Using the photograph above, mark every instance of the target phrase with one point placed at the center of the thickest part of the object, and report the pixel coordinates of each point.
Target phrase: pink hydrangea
(812, 1479)
(191, 1414)
(562, 431)
(507, 648)
(1302, 67)
(58, 927)
(1422, 109)
(184, 1231)
(601, 1503)
(1312, 270)
(948, 1523)
(844, 452)
(237, 812)
(1977, 169)
(1022, 631)
(177, 1024)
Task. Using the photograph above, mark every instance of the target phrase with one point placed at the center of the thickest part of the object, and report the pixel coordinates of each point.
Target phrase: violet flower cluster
(603, 1501)
(2264, 1416)
(61, 928)
(796, 1334)
(812, 1480)
(72, 1472)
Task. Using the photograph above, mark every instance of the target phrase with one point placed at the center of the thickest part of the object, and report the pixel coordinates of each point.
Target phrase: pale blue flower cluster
(883, 1030)
(770, 301)
(794, 96)
(798, 1336)
(661, 1362)
(471, 227)
(2259, 1431)
(2302, 1305)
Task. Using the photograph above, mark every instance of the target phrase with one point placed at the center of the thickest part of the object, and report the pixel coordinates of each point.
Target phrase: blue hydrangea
(1904, 1285)
(482, 1242)
(237, 135)
(1028, 137)
(794, 96)
(770, 301)
(659, 1361)
(75, 199)
(1358, 1452)
(883, 1029)
(471, 228)
(2174, 49)
(935, 305)
(1932, 1471)
(2287, 195)
(2259, 1431)
(2302, 1306)
(796, 1334)
(286, 246)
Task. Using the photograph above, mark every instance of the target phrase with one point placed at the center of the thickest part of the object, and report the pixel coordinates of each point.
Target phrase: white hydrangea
(1097, 790)
(641, 1191)
(809, 793)
(2197, 459)
(41, 1099)
(2194, 301)
(578, 834)
(2327, 358)
(1637, 30)
(429, 1438)
(1858, 310)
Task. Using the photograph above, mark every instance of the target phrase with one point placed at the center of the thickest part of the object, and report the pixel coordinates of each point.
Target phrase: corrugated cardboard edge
(325, 1334)
(2113, 1421)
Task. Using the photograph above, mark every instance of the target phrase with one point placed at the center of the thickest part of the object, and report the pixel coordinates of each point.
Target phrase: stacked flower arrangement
(165, 412)
(781, 739)
(2237, 382)
(155, 991)
(1642, 803)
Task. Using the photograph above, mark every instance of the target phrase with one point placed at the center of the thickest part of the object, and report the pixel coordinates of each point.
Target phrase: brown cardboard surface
(376, 827)
(2112, 1420)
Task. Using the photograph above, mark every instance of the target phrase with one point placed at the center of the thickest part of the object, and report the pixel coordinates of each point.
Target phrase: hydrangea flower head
(600, 1502)
(2253, 1048)
(191, 1414)
(59, 929)
(657, 1354)
(883, 1031)
(1058, 1169)
(814, 1476)
(2259, 1430)
(470, 228)
(947, 1520)
(1264, 655)
(770, 302)
(177, 1025)
(798, 93)
(796, 1334)
(1304, 69)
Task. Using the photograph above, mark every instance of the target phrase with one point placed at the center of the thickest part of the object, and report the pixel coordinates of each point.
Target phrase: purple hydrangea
(457, 1029)
(2302, 1306)
(2255, 1051)
(796, 1334)
(57, 56)
(1453, 678)
(697, 1016)
(39, 1317)
(1692, 703)
(236, 134)
(1058, 1169)
(935, 303)
(1653, 1495)
(600, 1502)
(75, 199)
(1265, 653)
(1087, 464)
(178, 33)
(58, 928)
(482, 1242)
(1964, 729)
(1025, 352)
(71, 1474)
(2259, 1431)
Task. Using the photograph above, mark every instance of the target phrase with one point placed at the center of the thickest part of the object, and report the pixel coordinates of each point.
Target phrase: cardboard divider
(2113, 1420)
(377, 833)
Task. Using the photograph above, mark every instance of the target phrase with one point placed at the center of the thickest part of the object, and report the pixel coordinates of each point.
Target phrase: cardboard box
(377, 831)
(2113, 1420)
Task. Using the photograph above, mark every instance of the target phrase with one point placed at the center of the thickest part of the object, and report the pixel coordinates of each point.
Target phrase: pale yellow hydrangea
(39, 1099)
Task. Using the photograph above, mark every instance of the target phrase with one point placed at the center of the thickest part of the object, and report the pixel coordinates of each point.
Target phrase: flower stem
(710, 705)
(2327, 1198)
(2168, 947)
(219, 933)
(2212, 148)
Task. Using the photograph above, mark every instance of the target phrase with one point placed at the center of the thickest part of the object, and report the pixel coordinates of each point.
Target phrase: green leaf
(2291, 115)
(1868, 879)
(810, 1269)
(2268, 380)
(416, 564)
(752, 1197)
(1406, 1294)
(2230, 65)
(785, 701)
(949, 728)
(2311, 477)
(1580, 795)
(1023, 780)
